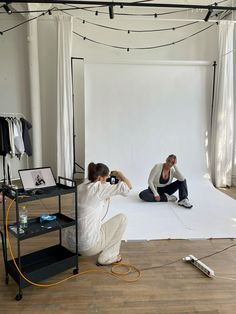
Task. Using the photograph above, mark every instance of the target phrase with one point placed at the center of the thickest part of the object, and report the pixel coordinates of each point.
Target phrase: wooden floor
(175, 288)
(231, 191)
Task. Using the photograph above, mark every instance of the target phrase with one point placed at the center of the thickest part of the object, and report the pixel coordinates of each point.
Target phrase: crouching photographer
(93, 236)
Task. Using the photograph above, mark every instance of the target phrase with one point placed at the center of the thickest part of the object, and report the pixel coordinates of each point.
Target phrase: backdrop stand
(75, 163)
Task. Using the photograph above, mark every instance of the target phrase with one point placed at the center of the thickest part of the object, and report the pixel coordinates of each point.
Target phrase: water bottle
(23, 217)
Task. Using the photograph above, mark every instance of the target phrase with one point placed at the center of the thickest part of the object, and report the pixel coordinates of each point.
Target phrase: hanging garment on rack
(19, 144)
(11, 135)
(14, 136)
(26, 126)
(14, 141)
(5, 146)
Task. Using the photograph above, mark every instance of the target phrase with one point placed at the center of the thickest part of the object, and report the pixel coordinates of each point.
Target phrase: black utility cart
(47, 262)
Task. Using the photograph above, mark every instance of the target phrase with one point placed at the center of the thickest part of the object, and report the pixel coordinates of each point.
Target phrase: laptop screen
(37, 178)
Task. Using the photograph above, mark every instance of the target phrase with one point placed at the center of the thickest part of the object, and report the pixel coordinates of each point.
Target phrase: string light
(111, 11)
(135, 30)
(136, 14)
(62, 10)
(73, 7)
(26, 21)
(7, 9)
(208, 15)
(149, 47)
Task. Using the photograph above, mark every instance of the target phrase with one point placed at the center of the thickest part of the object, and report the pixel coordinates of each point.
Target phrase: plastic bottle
(23, 217)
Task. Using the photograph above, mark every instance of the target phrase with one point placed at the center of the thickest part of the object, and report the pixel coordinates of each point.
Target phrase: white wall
(47, 29)
(14, 80)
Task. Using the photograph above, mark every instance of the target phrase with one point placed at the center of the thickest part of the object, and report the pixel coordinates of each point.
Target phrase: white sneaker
(171, 198)
(185, 203)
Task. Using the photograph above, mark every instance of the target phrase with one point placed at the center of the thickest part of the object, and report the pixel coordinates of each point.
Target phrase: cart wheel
(19, 297)
(75, 271)
(7, 280)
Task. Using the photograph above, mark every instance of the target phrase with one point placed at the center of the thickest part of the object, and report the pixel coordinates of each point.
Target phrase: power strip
(200, 265)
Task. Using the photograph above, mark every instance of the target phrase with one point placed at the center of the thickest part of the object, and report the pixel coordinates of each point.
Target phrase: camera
(112, 180)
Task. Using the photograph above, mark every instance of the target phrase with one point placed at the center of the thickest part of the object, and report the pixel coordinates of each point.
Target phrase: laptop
(37, 179)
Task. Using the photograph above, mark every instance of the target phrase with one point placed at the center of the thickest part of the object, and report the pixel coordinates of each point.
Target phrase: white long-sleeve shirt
(155, 174)
(92, 196)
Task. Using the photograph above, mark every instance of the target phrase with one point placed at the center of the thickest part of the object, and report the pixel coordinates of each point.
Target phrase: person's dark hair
(171, 156)
(96, 170)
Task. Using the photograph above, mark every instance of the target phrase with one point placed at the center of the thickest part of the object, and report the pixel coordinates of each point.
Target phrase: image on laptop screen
(37, 178)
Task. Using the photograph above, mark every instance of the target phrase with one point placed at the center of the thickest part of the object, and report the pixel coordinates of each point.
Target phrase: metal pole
(73, 102)
(72, 83)
(213, 91)
(132, 4)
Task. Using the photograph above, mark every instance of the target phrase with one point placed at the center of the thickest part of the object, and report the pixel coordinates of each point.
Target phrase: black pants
(148, 196)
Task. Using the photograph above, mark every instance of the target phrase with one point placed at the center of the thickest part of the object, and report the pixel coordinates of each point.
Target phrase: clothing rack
(12, 115)
(18, 116)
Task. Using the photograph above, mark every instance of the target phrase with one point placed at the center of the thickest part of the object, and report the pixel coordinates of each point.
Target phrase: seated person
(39, 180)
(161, 186)
(93, 236)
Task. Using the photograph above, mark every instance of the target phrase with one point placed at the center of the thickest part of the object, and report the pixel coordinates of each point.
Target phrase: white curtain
(64, 99)
(223, 113)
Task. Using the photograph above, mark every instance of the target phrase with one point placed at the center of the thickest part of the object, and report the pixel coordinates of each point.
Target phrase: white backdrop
(136, 115)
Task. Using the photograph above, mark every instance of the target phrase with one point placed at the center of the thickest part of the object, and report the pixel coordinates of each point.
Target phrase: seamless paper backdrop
(136, 115)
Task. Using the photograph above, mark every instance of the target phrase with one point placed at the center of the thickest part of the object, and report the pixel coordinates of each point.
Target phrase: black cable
(54, 9)
(97, 42)
(134, 30)
(136, 14)
(73, 7)
(173, 28)
(202, 30)
(163, 265)
(132, 14)
(206, 256)
(144, 48)
(17, 25)
(34, 11)
(180, 259)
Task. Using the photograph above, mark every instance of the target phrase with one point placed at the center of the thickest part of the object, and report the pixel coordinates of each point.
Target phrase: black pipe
(72, 87)
(131, 4)
(213, 91)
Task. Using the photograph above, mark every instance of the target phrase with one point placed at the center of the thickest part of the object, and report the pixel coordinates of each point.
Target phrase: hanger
(12, 115)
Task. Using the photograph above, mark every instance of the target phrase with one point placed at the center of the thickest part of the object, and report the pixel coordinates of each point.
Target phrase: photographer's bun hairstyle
(96, 170)
(171, 156)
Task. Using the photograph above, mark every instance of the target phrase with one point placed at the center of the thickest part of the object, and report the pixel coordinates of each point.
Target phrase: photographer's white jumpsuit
(93, 236)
